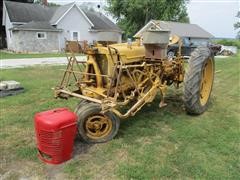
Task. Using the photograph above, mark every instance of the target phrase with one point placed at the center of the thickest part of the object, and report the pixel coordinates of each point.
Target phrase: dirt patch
(21, 170)
(81, 147)
(54, 172)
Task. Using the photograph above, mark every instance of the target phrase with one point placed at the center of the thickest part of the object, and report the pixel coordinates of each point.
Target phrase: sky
(215, 16)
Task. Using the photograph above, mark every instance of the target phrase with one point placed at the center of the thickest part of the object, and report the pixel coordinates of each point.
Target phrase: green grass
(155, 144)
(8, 55)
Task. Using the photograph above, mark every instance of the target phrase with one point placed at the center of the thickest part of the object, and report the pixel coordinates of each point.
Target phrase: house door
(75, 36)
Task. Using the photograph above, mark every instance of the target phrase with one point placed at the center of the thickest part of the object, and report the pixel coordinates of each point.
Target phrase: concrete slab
(9, 85)
(21, 63)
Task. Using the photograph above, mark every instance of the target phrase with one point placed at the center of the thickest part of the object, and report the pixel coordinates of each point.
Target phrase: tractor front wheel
(80, 105)
(198, 81)
(94, 126)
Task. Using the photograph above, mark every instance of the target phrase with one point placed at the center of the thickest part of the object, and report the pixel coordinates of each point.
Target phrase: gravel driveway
(21, 63)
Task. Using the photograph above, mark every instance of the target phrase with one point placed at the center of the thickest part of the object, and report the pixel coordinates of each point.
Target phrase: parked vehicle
(186, 50)
(188, 47)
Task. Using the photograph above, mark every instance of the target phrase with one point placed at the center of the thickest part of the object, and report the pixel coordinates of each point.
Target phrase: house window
(75, 36)
(41, 35)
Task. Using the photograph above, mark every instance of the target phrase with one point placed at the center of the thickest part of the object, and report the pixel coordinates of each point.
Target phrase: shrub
(227, 42)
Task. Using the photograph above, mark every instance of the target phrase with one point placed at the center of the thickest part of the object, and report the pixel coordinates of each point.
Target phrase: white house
(37, 28)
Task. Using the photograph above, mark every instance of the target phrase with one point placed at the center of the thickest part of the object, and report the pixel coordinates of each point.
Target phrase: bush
(226, 42)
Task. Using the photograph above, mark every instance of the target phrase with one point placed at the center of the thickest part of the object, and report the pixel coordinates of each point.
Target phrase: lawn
(8, 55)
(155, 144)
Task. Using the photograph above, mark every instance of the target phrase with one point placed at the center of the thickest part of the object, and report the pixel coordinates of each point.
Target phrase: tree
(132, 15)
(48, 3)
(237, 25)
(23, 1)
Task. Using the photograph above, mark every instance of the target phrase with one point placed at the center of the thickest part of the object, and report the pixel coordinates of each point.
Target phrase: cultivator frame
(116, 81)
(147, 78)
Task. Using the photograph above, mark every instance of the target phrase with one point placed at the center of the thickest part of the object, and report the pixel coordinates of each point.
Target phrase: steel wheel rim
(170, 54)
(98, 126)
(206, 82)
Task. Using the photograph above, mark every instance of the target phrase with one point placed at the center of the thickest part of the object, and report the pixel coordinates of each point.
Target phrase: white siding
(74, 21)
(8, 25)
(107, 36)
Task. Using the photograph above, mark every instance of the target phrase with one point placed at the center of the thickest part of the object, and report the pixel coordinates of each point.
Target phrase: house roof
(176, 28)
(101, 22)
(60, 12)
(36, 25)
(26, 12)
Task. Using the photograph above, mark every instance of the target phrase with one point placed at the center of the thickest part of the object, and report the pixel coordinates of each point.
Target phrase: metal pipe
(136, 107)
(86, 73)
(96, 92)
(80, 96)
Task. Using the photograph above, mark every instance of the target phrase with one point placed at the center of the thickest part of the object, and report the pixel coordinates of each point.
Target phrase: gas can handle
(59, 110)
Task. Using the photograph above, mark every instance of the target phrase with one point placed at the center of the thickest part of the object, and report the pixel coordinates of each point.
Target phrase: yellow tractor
(130, 75)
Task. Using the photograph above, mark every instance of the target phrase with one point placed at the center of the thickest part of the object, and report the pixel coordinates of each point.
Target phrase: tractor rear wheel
(94, 126)
(198, 81)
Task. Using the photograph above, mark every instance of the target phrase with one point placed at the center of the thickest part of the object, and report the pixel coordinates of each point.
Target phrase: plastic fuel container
(55, 133)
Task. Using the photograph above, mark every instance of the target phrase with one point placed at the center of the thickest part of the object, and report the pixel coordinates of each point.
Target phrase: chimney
(45, 2)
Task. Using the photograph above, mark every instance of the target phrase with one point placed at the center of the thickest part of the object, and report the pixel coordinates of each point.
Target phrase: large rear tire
(94, 126)
(198, 81)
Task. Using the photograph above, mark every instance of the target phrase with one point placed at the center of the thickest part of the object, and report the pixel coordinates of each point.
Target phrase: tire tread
(193, 79)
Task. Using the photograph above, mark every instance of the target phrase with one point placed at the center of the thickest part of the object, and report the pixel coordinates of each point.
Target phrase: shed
(192, 32)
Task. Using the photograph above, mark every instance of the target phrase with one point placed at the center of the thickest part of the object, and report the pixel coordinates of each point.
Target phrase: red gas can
(55, 132)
